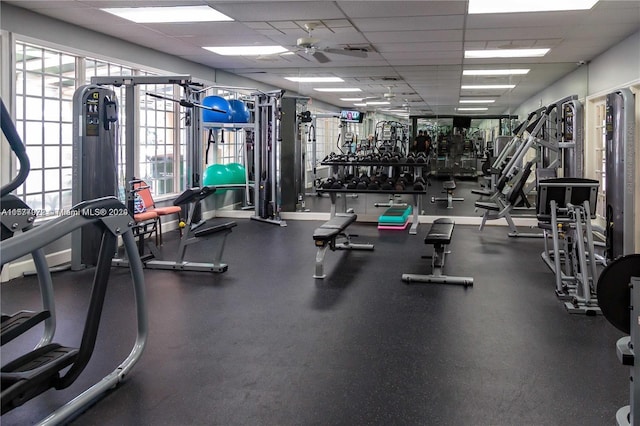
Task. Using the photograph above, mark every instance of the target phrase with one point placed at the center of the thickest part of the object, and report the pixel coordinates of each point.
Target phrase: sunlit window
(45, 83)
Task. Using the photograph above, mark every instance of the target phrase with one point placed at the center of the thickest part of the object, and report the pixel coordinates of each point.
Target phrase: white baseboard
(18, 269)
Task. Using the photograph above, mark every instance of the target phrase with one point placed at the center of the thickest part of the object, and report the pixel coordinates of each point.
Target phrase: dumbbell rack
(409, 190)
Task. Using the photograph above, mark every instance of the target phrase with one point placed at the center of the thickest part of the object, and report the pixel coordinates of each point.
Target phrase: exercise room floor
(266, 344)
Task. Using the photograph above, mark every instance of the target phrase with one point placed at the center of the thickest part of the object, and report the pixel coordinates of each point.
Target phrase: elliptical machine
(52, 365)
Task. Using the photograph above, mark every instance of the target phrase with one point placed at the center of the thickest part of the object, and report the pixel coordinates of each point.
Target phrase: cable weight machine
(267, 145)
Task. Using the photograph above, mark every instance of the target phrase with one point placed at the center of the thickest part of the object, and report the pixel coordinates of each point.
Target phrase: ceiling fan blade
(320, 57)
(347, 52)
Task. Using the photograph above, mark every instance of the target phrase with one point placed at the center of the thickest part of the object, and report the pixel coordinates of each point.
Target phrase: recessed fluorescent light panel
(514, 6)
(520, 71)
(337, 89)
(351, 99)
(379, 103)
(487, 86)
(360, 104)
(246, 50)
(472, 109)
(505, 53)
(477, 101)
(315, 79)
(144, 15)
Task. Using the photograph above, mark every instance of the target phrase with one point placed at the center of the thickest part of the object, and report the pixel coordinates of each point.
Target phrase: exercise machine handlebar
(18, 147)
(194, 194)
(186, 103)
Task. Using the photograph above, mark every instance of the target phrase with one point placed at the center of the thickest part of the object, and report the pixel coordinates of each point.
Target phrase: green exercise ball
(237, 172)
(217, 174)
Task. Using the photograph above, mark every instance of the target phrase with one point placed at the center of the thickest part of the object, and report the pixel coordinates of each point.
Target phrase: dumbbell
(373, 185)
(328, 184)
(337, 184)
(353, 183)
(408, 178)
(387, 185)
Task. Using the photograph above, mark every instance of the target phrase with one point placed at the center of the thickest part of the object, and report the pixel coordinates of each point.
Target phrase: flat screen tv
(461, 122)
(351, 116)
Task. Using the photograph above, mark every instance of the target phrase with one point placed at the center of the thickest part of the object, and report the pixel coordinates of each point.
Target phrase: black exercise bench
(439, 236)
(325, 237)
(448, 187)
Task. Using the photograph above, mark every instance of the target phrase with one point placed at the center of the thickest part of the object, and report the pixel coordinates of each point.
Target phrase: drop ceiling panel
(48, 4)
(446, 54)
(374, 9)
(139, 3)
(524, 20)
(226, 40)
(280, 10)
(412, 36)
(514, 33)
(410, 23)
(286, 25)
(418, 47)
(213, 29)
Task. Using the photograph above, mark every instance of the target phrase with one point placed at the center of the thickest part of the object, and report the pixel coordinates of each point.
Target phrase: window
(46, 80)
(45, 83)
(157, 138)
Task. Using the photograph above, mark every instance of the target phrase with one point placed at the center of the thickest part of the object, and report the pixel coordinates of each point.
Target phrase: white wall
(618, 66)
(575, 83)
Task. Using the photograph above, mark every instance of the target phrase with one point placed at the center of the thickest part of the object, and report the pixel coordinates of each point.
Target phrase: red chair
(144, 191)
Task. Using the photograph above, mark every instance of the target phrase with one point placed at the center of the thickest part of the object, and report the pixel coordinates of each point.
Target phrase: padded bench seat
(449, 185)
(440, 232)
(333, 227)
(325, 237)
(439, 236)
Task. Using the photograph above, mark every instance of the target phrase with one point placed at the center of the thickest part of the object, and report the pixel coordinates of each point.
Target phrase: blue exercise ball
(220, 103)
(239, 111)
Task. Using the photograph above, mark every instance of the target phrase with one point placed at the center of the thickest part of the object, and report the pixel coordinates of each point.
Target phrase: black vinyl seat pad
(333, 227)
(440, 232)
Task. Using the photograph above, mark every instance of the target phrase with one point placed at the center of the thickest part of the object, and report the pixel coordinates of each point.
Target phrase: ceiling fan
(387, 96)
(310, 46)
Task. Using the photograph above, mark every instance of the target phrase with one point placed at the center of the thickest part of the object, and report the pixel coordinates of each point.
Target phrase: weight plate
(614, 296)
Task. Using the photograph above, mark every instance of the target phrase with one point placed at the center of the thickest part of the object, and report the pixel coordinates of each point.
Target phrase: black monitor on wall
(351, 116)
(461, 122)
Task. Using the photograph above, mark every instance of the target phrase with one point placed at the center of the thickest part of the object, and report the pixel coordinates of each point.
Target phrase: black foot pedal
(16, 324)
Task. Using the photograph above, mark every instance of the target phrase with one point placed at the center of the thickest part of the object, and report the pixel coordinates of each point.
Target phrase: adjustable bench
(325, 237)
(448, 187)
(439, 236)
